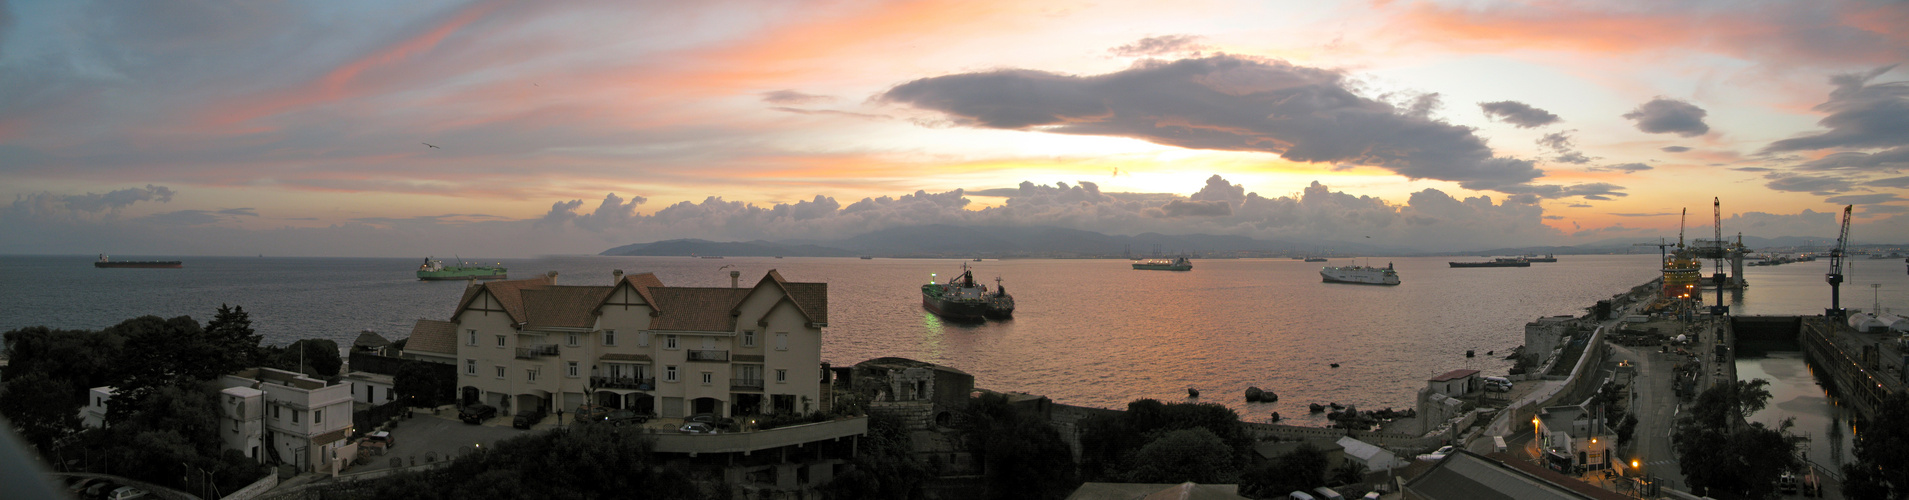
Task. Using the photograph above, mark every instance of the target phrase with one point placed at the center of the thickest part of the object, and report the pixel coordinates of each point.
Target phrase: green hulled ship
(433, 270)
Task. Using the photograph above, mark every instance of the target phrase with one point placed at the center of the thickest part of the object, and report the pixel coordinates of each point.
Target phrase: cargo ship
(1545, 258)
(435, 270)
(1315, 259)
(960, 299)
(1498, 262)
(1177, 264)
(104, 262)
(1360, 275)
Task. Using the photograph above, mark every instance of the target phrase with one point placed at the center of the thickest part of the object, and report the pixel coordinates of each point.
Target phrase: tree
(173, 440)
(1725, 458)
(1109, 441)
(1185, 455)
(158, 353)
(584, 461)
(884, 465)
(315, 357)
(419, 385)
(235, 345)
(1881, 469)
(1304, 468)
(1022, 456)
(48, 376)
(40, 408)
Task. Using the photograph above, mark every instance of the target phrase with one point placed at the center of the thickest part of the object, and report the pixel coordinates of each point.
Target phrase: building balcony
(537, 351)
(702, 355)
(751, 384)
(641, 384)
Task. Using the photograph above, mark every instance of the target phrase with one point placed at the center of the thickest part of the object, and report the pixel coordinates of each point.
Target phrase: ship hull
(1162, 267)
(462, 274)
(1490, 264)
(167, 264)
(956, 311)
(1359, 281)
(1359, 276)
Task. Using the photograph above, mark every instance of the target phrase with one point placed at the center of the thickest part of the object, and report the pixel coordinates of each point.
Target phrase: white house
(1573, 437)
(1372, 456)
(638, 344)
(242, 421)
(305, 420)
(372, 388)
(97, 400)
(1455, 383)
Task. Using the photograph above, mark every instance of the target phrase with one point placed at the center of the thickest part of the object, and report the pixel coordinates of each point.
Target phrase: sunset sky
(301, 128)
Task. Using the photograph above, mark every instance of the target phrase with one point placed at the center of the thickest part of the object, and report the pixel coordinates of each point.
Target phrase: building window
(500, 341)
(318, 416)
(669, 373)
(532, 375)
(500, 372)
(669, 341)
(473, 337)
(294, 416)
(571, 339)
(642, 339)
(571, 369)
(782, 376)
(390, 394)
(748, 338)
(609, 337)
(275, 413)
(782, 341)
(708, 378)
(470, 367)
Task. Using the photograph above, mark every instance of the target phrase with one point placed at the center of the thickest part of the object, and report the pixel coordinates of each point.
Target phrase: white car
(1436, 455)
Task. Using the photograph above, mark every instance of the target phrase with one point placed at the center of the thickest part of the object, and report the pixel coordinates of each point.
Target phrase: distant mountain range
(940, 240)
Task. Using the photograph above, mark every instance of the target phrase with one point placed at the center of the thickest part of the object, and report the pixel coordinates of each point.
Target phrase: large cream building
(635, 343)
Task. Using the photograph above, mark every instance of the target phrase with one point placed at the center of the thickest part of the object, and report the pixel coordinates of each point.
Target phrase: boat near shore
(960, 299)
(1360, 275)
(1498, 262)
(435, 270)
(1175, 264)
(107, 263)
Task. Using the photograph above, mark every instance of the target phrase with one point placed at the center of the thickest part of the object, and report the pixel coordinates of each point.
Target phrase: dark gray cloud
(1863, 199)
(1888, 159)
(1753, 169)
(1658, 214)
(1602, 191)
(1673, 149)
(792, 97)
(1561, 143)
(1222, 103)
(612, 212)
(116, 200)
(1883, 209)
(48, 205)
(1629, 168)
(1578, 205)
(1861, 115)
(1894, 182)
(1192, 208)
(1670, 116)
(246, 211)
(1809, 184)
(1517, 113)
(1160, 46)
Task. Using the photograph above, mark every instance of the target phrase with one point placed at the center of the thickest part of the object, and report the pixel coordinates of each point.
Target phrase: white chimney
(735, 279)
(616, 276)
(551, 277)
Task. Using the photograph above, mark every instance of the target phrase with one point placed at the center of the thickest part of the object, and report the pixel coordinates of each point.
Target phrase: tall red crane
(1835, 276)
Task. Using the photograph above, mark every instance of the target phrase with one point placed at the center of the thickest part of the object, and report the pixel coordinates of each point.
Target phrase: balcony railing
(537, 351)
(745, 383)
(701, 355)
(641, 384)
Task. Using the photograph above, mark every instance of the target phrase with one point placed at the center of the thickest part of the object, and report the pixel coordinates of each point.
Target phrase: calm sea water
(1087, 332)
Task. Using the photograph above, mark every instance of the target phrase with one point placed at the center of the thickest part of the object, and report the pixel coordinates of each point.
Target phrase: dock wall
(1860, 386)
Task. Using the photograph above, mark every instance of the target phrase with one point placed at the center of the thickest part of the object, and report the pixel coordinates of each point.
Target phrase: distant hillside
(756, 248)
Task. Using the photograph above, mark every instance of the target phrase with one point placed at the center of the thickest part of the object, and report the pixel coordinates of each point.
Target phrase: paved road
(1656, 406)
(425, 434)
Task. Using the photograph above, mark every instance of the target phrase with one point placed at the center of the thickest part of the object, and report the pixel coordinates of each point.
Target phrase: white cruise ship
(1361, 275)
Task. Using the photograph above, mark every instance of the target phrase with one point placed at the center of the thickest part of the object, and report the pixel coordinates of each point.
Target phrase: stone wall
(913, 415)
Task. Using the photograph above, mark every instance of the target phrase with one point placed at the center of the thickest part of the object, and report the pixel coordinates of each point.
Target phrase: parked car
(527, 418)
(1436, 455)
(621, 417)
(477, 413)
(697, 428)
(127, 493)
(381, 437)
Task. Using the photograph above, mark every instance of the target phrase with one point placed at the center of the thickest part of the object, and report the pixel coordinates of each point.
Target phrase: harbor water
(1086, 332)
(1799, 289)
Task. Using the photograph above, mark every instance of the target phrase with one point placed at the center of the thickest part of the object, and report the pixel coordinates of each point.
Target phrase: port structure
(1835, 276)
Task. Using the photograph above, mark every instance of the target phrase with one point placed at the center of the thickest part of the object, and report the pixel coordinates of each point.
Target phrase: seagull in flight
(726, 266)
(429, 144)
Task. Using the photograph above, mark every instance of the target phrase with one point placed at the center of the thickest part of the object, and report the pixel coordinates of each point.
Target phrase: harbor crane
(1716, 242)
(1835, 276)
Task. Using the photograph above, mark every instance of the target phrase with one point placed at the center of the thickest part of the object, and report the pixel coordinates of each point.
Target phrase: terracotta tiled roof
(433, 336)
(624, 357)
(509, 293)
(369, 338)
(563, 306)
(696, 309)
(813, 298)
(1453, 375)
